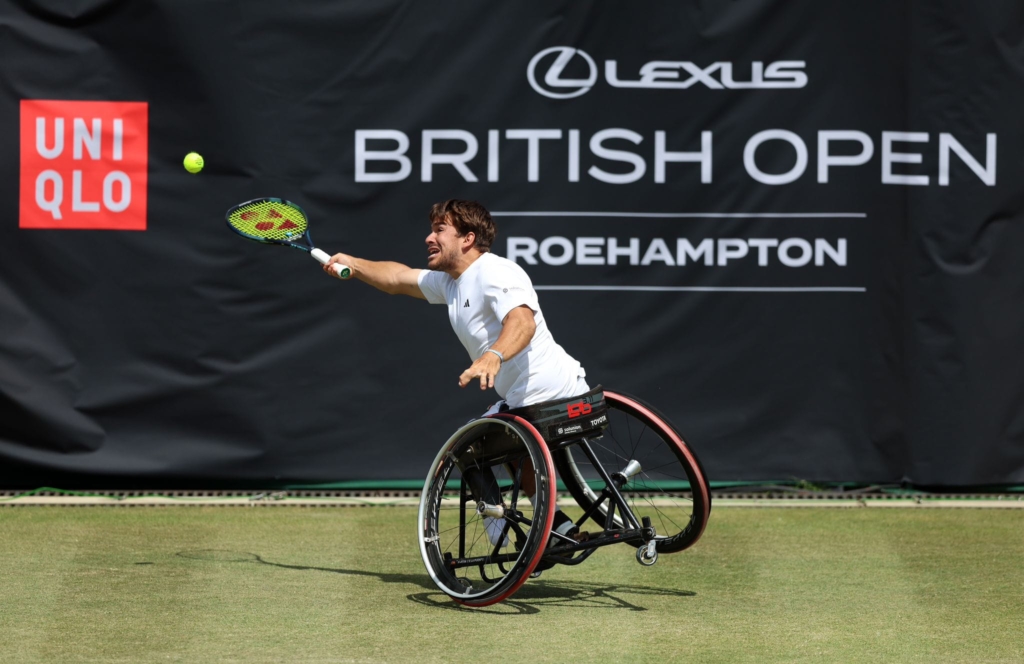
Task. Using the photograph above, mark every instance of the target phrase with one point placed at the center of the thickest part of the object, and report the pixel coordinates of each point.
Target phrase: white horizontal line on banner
(711, 289)
(691, 215)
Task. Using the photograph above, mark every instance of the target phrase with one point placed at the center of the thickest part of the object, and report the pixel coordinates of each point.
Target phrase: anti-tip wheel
(643, 558)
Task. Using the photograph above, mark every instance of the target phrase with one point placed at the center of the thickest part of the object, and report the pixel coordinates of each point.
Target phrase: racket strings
(269, 220)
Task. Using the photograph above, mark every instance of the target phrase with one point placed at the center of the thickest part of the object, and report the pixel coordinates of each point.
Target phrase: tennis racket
(277, 221)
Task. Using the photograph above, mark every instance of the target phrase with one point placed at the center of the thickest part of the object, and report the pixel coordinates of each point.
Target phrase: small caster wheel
(647, 555)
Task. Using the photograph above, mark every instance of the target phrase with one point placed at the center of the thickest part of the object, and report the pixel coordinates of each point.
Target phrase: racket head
(271, 221)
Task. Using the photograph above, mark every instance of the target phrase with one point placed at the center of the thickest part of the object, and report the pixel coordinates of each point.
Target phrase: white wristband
(498, 353)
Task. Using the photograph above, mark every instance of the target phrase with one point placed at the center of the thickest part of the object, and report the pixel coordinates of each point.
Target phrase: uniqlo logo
(84, 164)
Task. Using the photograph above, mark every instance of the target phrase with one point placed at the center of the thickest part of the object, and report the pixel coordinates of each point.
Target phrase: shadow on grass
(529, 599)
(537, 595)
(222, 556)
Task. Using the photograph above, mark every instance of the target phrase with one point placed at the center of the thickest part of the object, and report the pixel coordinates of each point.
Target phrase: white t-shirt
(478, 302)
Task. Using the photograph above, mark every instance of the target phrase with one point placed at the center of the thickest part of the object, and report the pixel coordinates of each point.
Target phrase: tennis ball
(193, 162)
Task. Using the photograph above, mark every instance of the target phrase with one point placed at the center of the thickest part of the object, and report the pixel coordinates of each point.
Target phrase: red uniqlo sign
(84, 164)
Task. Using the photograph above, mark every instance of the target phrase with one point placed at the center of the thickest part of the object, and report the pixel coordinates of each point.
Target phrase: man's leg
(562, 524)
(484, 487)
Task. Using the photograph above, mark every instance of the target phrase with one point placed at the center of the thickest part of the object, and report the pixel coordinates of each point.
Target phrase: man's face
(444, 246)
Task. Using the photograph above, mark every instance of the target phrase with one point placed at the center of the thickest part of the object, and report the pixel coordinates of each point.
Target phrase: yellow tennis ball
(193, 162)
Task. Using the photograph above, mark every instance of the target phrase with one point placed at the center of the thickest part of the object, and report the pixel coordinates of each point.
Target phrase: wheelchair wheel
(480, 534)
(671, 487)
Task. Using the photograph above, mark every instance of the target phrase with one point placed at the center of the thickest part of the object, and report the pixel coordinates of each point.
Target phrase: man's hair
(467, 217)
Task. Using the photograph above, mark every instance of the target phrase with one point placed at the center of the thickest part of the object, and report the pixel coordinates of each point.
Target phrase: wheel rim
(452, 530)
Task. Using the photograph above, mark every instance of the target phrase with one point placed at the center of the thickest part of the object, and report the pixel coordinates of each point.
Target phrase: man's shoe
(564, 526)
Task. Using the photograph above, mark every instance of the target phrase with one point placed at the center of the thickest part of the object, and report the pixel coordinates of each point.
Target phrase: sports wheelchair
(481, 532)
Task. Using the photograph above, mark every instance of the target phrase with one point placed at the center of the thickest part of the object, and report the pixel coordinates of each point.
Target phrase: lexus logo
(662, 74)
(553, 81)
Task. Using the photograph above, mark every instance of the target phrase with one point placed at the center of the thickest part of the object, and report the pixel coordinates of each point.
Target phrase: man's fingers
(486, 377)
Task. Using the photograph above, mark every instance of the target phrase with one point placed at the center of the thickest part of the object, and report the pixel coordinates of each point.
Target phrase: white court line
(689, 215)
(713, 289)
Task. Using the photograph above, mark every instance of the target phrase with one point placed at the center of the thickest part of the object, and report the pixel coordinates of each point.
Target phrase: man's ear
(469, 240)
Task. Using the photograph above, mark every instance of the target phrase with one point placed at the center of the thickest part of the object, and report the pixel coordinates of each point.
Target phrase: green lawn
(290, 584)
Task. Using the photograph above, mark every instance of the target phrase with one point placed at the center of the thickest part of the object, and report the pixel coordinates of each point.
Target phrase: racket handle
(343, 271)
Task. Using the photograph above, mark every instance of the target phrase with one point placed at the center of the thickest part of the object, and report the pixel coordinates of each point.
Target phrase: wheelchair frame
(536, 542)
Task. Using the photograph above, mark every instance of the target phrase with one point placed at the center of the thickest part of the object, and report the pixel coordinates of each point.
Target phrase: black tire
(671, 488)
(450, 531)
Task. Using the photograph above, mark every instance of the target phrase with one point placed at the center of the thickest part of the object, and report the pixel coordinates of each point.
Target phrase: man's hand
(517, 329)
(485, 368)
(344, 259)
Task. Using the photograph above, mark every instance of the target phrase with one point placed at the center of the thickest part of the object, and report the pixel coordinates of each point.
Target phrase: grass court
(299, 584)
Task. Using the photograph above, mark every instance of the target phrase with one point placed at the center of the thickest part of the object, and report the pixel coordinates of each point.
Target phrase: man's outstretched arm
(392, 278)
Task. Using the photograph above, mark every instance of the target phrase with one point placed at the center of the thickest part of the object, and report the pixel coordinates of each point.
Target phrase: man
(493, 309)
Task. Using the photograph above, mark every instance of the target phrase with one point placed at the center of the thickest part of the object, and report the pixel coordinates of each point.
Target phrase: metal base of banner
(724, 497)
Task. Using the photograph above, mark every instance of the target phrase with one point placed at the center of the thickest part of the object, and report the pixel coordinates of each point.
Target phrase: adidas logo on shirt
(466, 304)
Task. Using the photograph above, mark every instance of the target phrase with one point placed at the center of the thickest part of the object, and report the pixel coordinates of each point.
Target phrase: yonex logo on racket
(272, 220)
(84, 164)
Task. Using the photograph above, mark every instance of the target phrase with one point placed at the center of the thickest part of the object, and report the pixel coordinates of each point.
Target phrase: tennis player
(494, 311)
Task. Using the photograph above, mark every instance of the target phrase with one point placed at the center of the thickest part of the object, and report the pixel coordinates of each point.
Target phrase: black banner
(795, 228)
